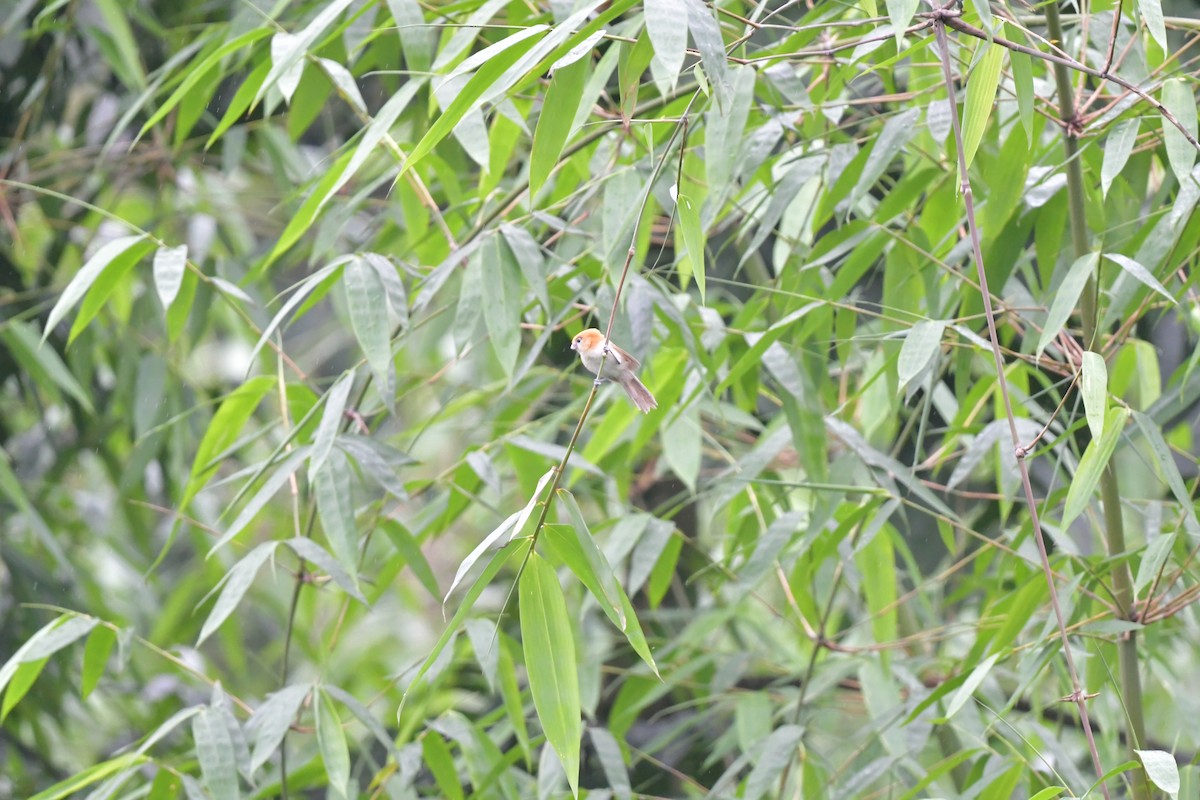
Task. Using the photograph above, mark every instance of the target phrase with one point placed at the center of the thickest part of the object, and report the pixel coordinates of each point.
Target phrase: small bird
(619, 367)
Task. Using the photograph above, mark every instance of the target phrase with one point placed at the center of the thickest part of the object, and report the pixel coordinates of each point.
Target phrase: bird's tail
(639, 394)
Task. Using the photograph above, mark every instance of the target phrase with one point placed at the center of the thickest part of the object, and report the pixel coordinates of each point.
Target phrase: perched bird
(619, 366)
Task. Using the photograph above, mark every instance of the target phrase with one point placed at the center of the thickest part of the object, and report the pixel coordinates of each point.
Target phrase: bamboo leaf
(271, 720)
(1177, 97)
(1094, 385)
(215, 752)
(1095, 460)
(555, 121)
(86, 277)
(1066, 298)
(921, 346)
(549, 645)
(331, 742)
(1117, 147)
(981, 96)
(236, 583)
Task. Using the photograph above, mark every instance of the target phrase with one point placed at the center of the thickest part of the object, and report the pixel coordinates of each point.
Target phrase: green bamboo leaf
(235, 585)
(668, 36)
(43, 364)
(922, 344)
(972, 682)
(441, 763)
(271, 720)
(549, 644)
(331, 742)
(1093, 463)
(416, 40)
(691, 260)
(1066, 297)
(264, 494)
(241, 101)
(555, 121)
(706, 33)
(494, 566)
(225, 429)
(1177, 97)
(1140, 274)
(335, 507)
(367, 303)
(197, 72)
(86, 277)
(981, 96)
(897, 130)
(900, 12)
(105, 283)
(503, 303)
(408, 547)
(1155, 556)
(95, 657)
(22, 681)
(1169, 469)
(1161, 769)
(49, 639)
(1094, 386)
(1117, 147)
(1152, 14)
(128, 64)
(777, 754)
(285, 59)
(215, 752)
(311, 551)
(1022, 72)
(469, 98)
(331, 422)
(612, 761)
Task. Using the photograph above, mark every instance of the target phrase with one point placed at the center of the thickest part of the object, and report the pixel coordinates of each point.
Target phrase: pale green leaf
(215, 752)
(1178, 98)
(86, 276)
(981, 96)
(555, 120)
(1066, 297)
(331, 742)
(1117, 148)
(921, 346)
(1095, 460)
(1094, 387)
(1161, 769)
(169, 264)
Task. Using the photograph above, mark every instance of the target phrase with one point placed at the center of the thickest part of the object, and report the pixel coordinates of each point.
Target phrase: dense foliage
(303, 491)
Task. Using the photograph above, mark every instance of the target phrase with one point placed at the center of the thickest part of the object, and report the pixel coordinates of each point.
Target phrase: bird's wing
(623, 358)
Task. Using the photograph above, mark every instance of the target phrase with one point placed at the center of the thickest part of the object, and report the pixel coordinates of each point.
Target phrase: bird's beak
(572, 345)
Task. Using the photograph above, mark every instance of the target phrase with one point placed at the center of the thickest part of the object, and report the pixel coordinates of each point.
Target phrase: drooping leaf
(981, 96)
(1094, 387)
(331, 742)
(1094, 462)
(1066, 298)
(550, 662)
(555, 121)
(87, 275)
(921, 346)
(1117, 148)
(1178, 98)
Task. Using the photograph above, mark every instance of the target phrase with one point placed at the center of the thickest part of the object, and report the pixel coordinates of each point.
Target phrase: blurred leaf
(335, 506)
(922, 344)
(269, 488)
(691, 262)
(667, 35)
(1155, 556)
(311, 551)
(777, 754)
(197, 72)
(410, 550)
(95, 658)
(612, 761)
(169, 266)
(503, 304)
(550, 661)
(441, 763)
(214, 751)
(900, 12)
(706, 33)
(1151, 11)
(42, 363)
(368, 315)
(331, 741)
(1168, 469)
(234, 585)
(21, 682)
(271, 720)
